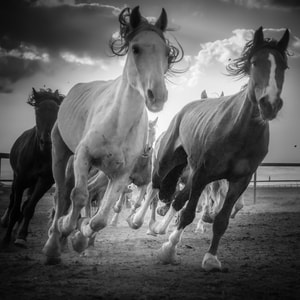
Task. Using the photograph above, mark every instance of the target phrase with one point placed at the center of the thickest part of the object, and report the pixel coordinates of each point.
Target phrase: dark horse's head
(46, 104)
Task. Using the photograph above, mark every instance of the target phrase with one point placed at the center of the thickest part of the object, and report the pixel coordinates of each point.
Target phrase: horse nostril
(150, 95)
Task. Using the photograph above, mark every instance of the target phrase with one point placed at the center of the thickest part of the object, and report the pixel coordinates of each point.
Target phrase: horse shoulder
(78, 109)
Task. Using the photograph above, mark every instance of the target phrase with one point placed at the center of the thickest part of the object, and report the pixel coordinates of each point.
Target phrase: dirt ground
(260, 253)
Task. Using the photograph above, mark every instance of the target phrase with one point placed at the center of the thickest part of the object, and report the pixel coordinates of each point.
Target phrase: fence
(254, 181)
(3, 156)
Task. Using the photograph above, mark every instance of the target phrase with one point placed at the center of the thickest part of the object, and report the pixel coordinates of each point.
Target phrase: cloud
(13, 68)
(267, 4)
(220, 52)
(34, 32)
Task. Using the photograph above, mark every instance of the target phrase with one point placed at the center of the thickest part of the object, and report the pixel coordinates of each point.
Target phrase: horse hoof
(133, 225)
(167, 254)
(79, 242)
(21, 243)
(151, 232)
(211, 263)
(52, 260)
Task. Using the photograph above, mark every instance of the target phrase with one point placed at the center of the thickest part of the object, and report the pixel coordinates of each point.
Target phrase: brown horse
(223, 138)
(30, 159)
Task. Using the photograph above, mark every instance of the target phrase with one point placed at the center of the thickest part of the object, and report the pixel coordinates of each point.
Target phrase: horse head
(46, 104)
(149, 55)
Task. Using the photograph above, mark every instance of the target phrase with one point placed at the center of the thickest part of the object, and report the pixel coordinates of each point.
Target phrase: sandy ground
(260, 253)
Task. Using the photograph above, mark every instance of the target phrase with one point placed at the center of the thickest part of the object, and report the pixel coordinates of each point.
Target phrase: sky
(56, 44)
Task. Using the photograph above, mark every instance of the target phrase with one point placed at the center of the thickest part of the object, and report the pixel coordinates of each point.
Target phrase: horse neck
(130, 105)
(247, 114)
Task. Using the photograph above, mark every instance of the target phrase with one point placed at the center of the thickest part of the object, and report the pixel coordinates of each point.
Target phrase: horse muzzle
(268, 109)
(156, 101)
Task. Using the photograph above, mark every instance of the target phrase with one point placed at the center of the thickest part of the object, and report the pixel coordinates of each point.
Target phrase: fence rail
(254, 181)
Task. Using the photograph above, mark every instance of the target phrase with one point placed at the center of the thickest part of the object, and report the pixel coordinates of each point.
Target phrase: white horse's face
(147, 63)
(267, 76)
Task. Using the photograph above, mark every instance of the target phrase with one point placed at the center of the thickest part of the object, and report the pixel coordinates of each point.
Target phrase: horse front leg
(5, 217)
(41, 187)
(136, 220)
(15, 213)
(79, 195)
(221, 221)
(88, 228)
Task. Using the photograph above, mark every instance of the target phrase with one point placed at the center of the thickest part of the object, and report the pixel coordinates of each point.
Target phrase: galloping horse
(227, 137)
(30, 159)
(105, 123)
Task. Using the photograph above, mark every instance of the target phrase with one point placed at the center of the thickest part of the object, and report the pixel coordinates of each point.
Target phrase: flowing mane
(239, 67)
(35, 98)
(119, 44)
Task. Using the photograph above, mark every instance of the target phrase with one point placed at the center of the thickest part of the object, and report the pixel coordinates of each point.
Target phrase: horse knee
(79, 196)
(186, 218)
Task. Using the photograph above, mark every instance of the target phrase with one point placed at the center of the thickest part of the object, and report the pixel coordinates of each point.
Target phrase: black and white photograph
(150, 150)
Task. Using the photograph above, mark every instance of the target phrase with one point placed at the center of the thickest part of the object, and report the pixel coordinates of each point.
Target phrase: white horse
(105, 123)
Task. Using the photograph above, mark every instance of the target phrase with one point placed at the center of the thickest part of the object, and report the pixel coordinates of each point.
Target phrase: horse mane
(119, 44)
(240, 66)
(35, 98)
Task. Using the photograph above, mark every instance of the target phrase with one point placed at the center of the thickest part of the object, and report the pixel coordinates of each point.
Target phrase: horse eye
(135, 49)
(254, 63)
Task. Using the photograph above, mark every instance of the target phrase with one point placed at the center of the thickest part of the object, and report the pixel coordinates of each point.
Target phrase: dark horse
(30, 159)
(223, 138)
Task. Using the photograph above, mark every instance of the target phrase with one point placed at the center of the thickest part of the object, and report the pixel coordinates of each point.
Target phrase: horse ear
(258, 36)
(34, 91)
(283, 43)
(56, 93)
(135, 17)
(162, 21)
(222, 94)
(203, 94)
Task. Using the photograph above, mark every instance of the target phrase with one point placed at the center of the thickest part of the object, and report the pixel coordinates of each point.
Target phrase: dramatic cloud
(37, 32)
(267, 4)
(222, 51)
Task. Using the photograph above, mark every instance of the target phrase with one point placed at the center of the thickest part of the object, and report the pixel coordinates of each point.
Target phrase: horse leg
(79, 194)
(117, 209)
(41, 187)
(15, 213)
(136, 220)
(5, 217)
(89, 228)
(239, 204)
(61, 166)
(236, 188)
(152, 220)
(138, 202)
(167, 253)
(180, 199)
